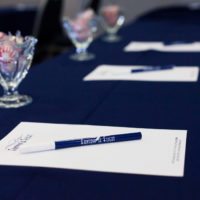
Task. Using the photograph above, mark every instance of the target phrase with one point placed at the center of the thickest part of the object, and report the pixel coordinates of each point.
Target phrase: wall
(14, 2)
(136, 8)
(133, 8)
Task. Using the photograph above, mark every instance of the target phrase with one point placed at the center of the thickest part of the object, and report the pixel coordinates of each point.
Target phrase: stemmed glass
(16, 54)
(112, 18)
(81, 29)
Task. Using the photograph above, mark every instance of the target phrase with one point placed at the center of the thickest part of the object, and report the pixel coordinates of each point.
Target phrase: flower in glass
(112, 19)
(80, 30)
(16, 54)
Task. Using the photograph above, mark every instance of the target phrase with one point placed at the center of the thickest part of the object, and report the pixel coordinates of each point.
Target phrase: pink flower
(82, 20)
(111, 13)
(87, 15)
(2, 35)
(81, 24)
(7, 53)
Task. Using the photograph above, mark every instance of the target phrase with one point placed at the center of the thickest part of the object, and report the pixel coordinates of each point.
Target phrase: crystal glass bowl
(81, 30)
(16, 54)
(112, 18)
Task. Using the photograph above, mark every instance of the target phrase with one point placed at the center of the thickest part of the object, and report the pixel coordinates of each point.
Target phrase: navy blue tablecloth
(18, 18)
(61, 96)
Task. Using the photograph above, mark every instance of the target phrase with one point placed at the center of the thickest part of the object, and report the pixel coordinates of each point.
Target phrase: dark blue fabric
(14, 19)
(60, 96)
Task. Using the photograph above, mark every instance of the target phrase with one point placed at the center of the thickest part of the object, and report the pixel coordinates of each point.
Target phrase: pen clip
(152, 68)
(160, 67)
(97, 138)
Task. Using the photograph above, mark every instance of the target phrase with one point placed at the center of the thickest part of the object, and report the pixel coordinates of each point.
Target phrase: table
(60, 96)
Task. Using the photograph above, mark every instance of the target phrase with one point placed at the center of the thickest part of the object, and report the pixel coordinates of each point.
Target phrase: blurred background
(42, 18)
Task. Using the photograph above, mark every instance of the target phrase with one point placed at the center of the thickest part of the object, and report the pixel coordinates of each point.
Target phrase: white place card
(160, 46)
(116, 72)
(159, 152)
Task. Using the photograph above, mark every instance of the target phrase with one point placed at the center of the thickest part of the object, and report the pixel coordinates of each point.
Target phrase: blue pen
(153, 68)
(80, 142)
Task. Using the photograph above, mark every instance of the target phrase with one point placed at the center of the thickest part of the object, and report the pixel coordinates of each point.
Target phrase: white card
(159, 152)
(160, 46)
(116, 72)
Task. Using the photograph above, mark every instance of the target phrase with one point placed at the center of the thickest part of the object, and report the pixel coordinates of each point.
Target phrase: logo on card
(14, 145)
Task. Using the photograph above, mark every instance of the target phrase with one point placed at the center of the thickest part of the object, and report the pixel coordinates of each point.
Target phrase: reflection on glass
(80, 30)
(112, 19)
(16, 54)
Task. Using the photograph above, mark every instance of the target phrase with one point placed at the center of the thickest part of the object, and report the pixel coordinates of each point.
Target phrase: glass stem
(81, 51)
(10, 91)
(112, 35)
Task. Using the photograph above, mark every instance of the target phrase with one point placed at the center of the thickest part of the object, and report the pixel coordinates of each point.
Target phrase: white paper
(116, 72)
(160, 152)
(160, 46)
